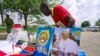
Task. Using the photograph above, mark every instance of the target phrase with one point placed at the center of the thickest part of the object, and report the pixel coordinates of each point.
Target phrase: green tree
(55, 2)
(85, 24)
(98, 24)
(25, 7)
(42, 21)
(1, 11)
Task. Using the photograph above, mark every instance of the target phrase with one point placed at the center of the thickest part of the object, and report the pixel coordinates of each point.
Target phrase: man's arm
(5, 21)
(69, 19)
(12, 22)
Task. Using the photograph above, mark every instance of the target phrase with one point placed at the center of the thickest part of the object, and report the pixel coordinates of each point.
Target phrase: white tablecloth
(6, 47)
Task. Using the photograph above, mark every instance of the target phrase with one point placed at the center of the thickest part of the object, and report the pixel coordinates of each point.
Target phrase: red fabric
(30, 49)
(2, 53)
(16, 26)
(18, 55)
(59, 14)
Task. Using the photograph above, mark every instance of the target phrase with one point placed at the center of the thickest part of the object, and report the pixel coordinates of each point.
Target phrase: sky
(82, 10)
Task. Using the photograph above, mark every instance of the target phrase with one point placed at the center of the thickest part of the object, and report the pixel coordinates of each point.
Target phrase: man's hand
(60, 24)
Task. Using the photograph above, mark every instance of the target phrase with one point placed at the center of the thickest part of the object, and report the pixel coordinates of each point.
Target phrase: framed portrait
(44, 40)
(64, 44)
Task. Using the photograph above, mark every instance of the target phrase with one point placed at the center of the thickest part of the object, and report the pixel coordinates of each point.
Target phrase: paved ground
(3, 36)
(90, 43)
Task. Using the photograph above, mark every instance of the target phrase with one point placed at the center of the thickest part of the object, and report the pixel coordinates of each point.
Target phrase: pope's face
(65, 35)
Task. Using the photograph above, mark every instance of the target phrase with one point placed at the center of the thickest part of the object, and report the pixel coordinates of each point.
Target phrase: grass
(2, 29)
(30, 29)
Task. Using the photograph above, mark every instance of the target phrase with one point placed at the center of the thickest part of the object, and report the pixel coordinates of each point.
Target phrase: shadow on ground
(3, 36)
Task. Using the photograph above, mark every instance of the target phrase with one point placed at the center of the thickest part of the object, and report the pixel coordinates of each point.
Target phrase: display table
(7, 48)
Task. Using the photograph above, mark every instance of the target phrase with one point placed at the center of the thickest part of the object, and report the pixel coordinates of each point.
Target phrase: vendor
(60, 15)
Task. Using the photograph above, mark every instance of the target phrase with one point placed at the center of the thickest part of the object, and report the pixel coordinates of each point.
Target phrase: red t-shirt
(59, 14)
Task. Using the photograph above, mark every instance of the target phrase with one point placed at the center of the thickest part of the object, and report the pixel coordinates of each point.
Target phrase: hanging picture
(63, 43)
(43, 40)
(76, 32)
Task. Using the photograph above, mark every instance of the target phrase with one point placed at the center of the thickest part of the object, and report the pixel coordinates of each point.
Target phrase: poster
(44, 40)
(76, 32)
(63, 43)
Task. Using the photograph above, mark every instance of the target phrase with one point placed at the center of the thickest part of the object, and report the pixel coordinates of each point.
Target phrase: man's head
(65, 35)
(44, 8)
(7, 16)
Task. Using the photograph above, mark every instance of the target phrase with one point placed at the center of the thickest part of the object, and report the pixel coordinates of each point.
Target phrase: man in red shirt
(59, 14)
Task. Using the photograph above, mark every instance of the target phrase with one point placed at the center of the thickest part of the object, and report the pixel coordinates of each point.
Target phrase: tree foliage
(1, 12)
(25, 7)
(41, 21)
(97, 22)
(85, 24)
